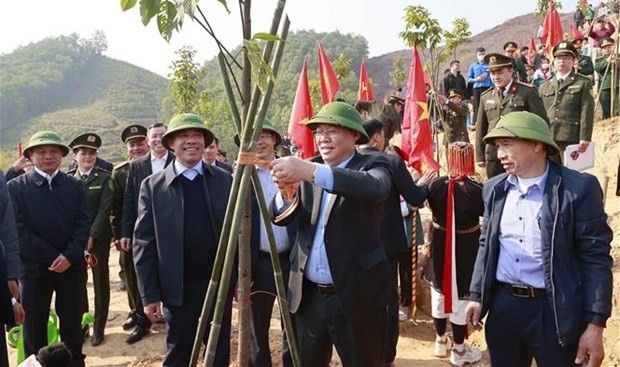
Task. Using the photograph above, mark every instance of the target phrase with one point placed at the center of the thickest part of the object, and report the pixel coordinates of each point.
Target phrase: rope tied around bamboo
(250, 158)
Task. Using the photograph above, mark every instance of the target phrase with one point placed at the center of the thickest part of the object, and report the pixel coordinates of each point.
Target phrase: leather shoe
(136, 335)
(96, 339)
(130, 323)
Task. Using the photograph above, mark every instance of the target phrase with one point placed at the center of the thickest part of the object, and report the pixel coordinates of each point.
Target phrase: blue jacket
(575, 248)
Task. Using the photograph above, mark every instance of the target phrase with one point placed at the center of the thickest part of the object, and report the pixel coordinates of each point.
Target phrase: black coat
(158, 238)
(457, 81)
(139, 169)
(357, 260)
(392, 230)
(51, 220)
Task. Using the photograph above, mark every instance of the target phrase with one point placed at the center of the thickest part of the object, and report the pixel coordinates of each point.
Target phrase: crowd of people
(537, 265)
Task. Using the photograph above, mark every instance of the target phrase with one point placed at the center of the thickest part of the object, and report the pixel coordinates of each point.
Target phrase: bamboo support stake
(414, 265)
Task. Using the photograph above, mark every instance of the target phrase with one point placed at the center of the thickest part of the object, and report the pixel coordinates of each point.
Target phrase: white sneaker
(467, 354)
(442, 346)
(403, 313)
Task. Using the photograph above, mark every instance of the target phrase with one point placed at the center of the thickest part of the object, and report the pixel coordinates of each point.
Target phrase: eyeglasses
(329, 133)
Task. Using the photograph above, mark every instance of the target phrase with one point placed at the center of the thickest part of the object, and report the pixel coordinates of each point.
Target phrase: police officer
(455, 117)
(509, 95)
(510, 50)
(99, 195)
(568, 100)
(134, 137)
(602, 68)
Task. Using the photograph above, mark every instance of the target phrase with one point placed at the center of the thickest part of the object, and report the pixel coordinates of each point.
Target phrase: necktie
(84, 177)
(560, 81)
(501, 93)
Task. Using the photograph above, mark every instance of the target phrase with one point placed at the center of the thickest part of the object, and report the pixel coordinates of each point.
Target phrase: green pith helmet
(186, 121)
(523, 125)
(267, 125)
(45, 138)
(342, 114)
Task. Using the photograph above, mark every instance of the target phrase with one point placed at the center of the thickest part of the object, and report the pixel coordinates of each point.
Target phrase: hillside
(519, 29)
(64, 84)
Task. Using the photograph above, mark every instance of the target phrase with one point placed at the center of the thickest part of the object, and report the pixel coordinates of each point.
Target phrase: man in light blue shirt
(339, 270)
(479, 75)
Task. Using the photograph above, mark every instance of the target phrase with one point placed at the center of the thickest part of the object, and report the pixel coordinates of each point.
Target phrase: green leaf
(128, 4)
(261, 71)
(189, 7)
(148, 9)
(263, 36)
(223, 2)
(166, 19)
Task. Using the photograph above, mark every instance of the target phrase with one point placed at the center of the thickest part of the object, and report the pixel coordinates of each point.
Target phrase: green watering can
(15, 337)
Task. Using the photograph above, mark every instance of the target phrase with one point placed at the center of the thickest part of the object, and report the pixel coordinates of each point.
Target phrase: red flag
(417, 140)
(365, 89)
(302, 111)
(327, 77)
(552, 28)
(576, 33)
(531, 52)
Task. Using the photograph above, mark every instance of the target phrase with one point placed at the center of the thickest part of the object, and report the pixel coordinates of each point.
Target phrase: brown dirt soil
(415, 347)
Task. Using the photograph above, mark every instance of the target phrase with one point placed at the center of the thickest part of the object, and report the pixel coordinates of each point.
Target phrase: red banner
(365, 88)
(327, 77)
(301, 113)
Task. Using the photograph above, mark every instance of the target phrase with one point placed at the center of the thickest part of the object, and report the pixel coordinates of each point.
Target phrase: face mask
(545, 66)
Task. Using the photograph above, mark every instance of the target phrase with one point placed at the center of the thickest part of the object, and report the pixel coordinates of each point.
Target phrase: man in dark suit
(210, 156)
(9, 269)
(392, 230)
(339, 269)
(53, 224)
(182, 211)
(263, 283)
(454, 79)
(139, 169)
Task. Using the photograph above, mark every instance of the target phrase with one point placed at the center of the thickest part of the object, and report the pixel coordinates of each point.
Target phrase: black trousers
(4, 354)
(36, 296)
(263, 298)
(122, 261)
(101, 285)
(476, 101)
(321, 324)
(391, 329)
(513, 338)
(182, 325)
(405, 275)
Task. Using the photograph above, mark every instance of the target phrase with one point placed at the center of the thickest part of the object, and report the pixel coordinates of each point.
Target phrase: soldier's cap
(510, 46)
(132, 132)
(523, 125)
(497, 61)
(564, 48)
(607, 41)
(88, 140)
(341, 114)
(45, 138)
(455, 93)
(267, 125)
(186, 121)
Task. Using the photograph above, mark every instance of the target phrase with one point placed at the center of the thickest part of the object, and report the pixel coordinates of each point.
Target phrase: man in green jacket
(568, 100)
(605, 72)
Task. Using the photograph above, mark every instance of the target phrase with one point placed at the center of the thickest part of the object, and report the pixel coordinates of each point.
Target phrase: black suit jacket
(224, 166)
(158, 236)
(357, 260)
(392, 229)
(139, 169)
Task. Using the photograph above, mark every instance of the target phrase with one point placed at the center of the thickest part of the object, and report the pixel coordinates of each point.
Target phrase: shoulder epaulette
(487, 91)
(121, 165)
(97, 168)
(71, 171)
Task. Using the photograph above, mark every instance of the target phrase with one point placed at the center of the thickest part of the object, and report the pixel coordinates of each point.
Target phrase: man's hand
(14, 288)
(428, 177)
(290, 170)
(126, 244)
(481, 164)
(89, 244)
(590, 349)
(472, 316)
(21, 163)
(153, 311)
(583, 146)
(481, 77)
(18, 313)
(60, 264)
(117, 245)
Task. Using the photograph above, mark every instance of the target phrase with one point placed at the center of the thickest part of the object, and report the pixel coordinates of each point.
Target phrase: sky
(23, 22)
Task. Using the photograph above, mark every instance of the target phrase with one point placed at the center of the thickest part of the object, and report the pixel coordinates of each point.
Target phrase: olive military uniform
(455, 120)
(586, 67)
(569, 103)
(99, 196)
(602, 68)
(520, 97)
